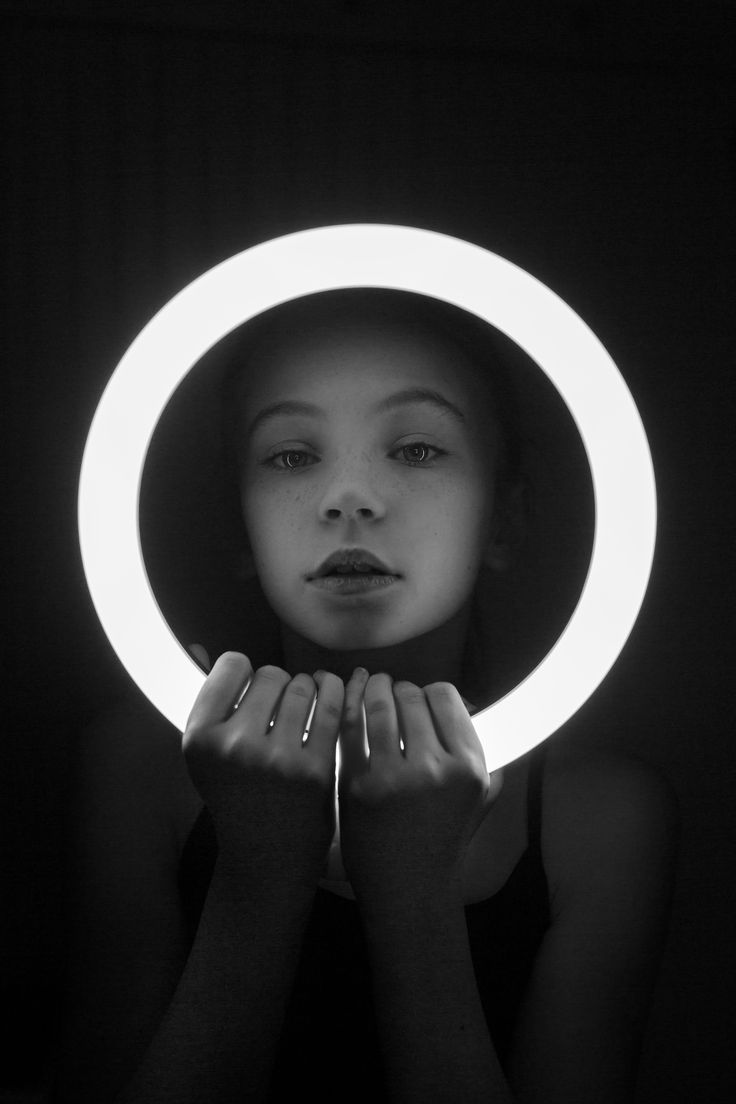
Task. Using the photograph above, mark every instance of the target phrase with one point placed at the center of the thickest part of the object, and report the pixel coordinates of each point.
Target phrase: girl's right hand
(270, 792)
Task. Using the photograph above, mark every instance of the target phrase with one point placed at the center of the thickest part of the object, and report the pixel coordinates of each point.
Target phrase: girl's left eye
(418, 452)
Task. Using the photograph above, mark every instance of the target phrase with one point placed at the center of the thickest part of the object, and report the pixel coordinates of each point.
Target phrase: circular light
(405, 259)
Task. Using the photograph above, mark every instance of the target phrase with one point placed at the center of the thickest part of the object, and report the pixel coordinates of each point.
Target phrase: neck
(435, 656)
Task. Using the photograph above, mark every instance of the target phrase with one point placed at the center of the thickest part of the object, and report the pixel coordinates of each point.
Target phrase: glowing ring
(406, 259)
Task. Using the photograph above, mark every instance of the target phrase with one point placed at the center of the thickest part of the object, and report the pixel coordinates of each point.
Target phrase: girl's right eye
(291, 459)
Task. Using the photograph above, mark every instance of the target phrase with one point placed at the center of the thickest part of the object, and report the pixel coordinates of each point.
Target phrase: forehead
(353, 361)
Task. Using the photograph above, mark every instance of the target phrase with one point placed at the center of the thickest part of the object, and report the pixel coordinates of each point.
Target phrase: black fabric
(329, 1041)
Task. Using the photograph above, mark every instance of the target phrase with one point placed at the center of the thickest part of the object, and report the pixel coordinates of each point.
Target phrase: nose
(351, 497)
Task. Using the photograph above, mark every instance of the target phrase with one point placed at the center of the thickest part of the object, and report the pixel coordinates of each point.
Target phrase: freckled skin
(311, 485)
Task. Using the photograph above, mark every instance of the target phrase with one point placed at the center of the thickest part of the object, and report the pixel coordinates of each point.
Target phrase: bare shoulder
(129, 762)
(609, 839)
(608, 818)
(127, 940)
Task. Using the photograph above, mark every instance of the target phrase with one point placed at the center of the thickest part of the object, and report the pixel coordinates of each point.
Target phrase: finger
(353, 751)
(200, 655)
(455, 730)
(324, 724)
(262, 697)
(293, 710)
(415, 721)
(382, 723)
(222, 689)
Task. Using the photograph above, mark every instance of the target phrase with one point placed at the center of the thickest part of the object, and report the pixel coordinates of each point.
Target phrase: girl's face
(367, 474)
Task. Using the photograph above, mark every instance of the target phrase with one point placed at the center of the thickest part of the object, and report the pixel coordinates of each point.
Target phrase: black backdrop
(591, 144)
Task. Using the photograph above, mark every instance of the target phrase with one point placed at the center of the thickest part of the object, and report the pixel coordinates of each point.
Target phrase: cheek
(274, 520)
(456, 513)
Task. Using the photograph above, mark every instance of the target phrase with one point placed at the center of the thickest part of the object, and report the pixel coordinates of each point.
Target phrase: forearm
(217, 1040)
(434, 1036)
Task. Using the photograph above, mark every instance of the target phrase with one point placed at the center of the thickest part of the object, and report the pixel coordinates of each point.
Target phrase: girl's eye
(291, 459)
(417, 452)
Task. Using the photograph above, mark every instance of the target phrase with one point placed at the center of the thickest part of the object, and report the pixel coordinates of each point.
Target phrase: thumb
(199, 652)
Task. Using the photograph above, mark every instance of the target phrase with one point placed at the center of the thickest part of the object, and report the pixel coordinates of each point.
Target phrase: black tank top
(329, 1042)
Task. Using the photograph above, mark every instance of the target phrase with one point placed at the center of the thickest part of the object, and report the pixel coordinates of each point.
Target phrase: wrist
(415, 902)
(278, 894)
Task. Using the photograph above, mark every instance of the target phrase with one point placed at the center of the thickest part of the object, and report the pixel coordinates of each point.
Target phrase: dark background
(593, 144)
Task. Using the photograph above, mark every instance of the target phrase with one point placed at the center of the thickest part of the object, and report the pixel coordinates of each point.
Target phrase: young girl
(427, 933)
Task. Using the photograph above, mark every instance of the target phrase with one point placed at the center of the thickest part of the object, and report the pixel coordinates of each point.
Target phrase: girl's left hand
(407, 815)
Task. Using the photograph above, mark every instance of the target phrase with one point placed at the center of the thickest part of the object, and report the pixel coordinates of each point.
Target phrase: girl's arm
(148, 1024)
(406, 820)
(435, 1041)
(611, 847)
(217, 1039)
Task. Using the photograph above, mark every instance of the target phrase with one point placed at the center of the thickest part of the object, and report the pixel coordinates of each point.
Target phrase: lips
(351, 563)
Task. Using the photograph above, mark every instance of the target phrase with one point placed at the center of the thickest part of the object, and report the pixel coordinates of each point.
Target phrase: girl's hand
(407, 817)
(270, 793)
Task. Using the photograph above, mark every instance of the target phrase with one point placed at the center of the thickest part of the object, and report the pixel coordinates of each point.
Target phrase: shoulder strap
(534, 798)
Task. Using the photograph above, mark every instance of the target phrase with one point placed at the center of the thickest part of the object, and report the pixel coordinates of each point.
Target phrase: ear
(508, 527)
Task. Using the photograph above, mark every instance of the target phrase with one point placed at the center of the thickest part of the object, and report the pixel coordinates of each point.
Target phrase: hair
(484, 348)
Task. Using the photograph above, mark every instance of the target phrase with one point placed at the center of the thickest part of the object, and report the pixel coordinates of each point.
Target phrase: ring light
(404, 259)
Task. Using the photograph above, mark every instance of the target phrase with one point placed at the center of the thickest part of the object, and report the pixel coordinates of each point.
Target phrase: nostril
(351, 502)
(362, 511)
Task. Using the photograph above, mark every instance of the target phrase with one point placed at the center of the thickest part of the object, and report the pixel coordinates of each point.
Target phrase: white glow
(406, 259)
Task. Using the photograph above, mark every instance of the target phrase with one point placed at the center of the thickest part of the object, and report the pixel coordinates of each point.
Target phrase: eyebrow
(413, 395)
(284, 409)
(408, 397)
